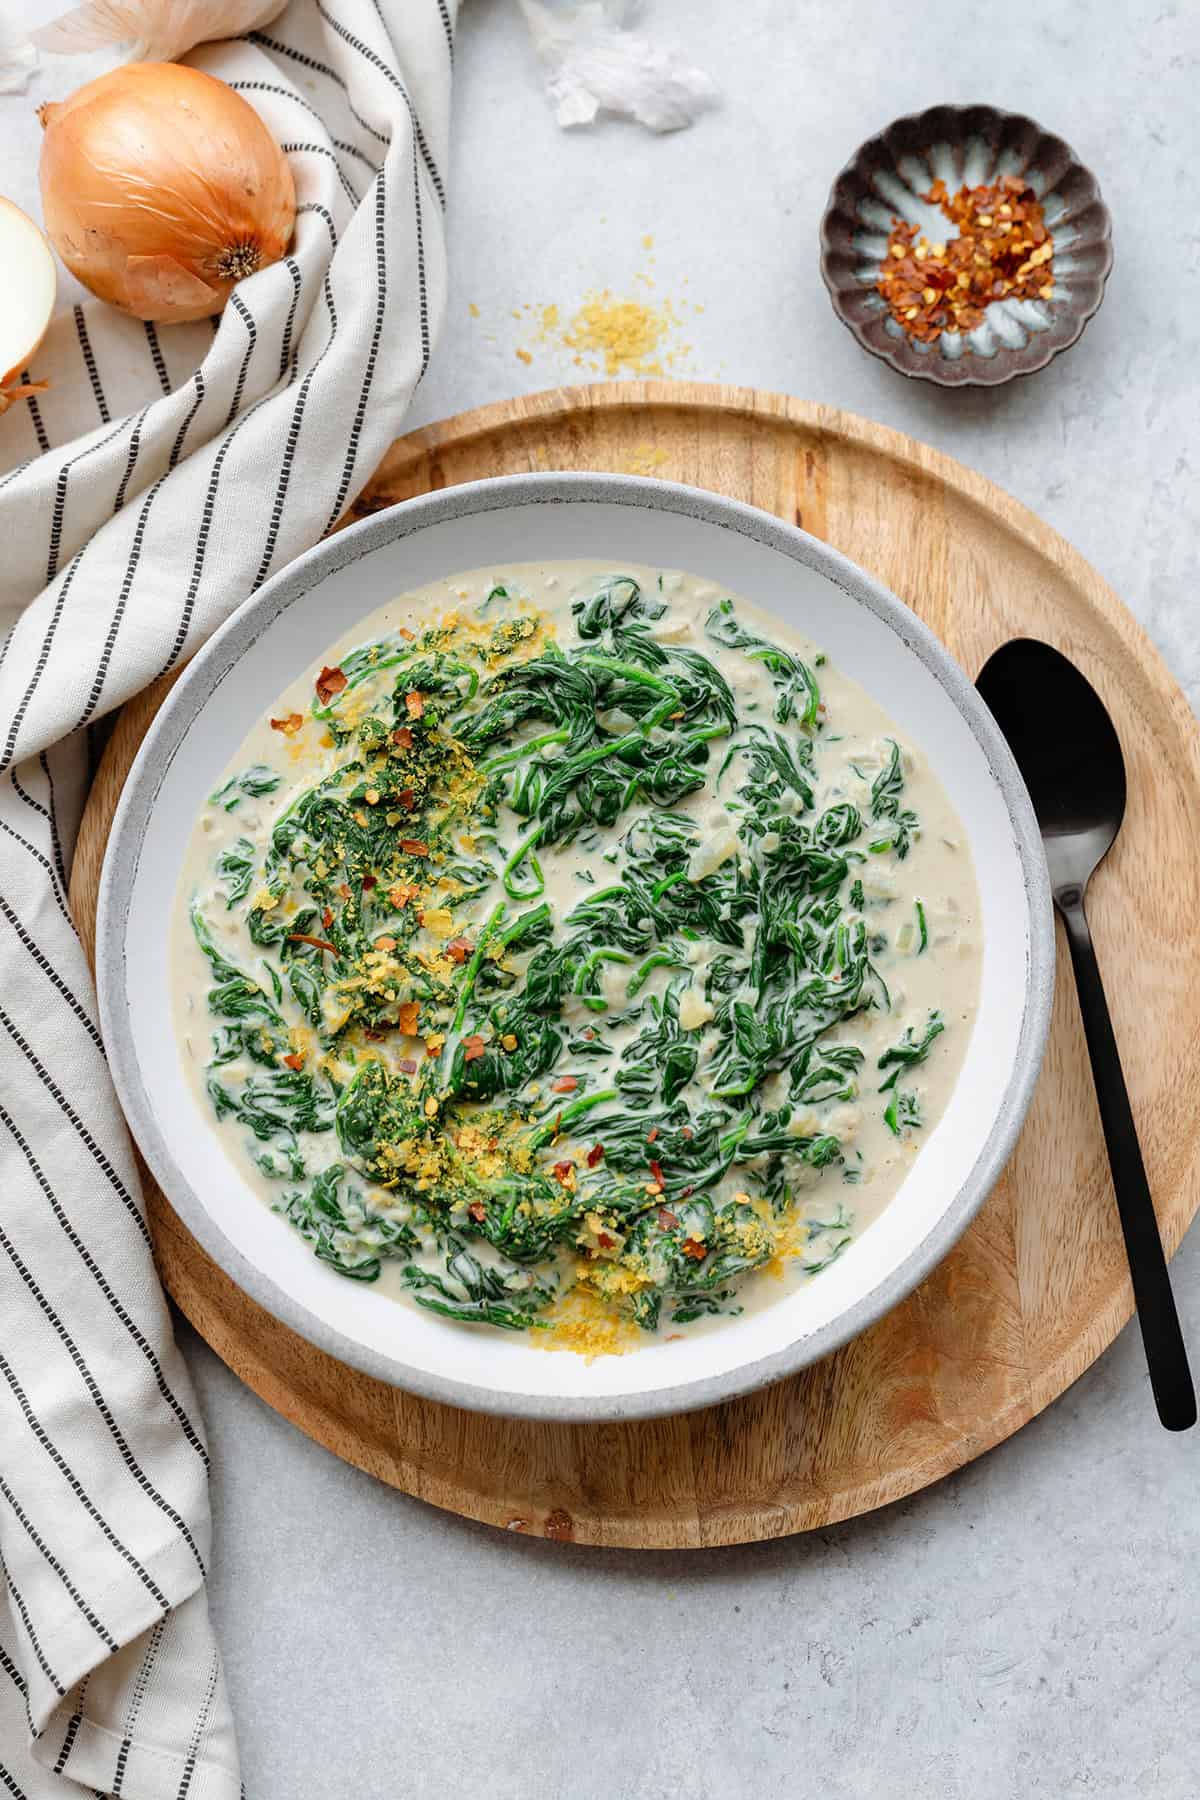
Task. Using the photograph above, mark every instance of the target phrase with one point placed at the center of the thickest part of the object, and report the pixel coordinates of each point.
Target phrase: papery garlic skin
(153, 30)
(162, 188)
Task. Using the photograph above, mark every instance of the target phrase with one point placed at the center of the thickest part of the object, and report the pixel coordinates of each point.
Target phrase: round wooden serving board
(1038, 1287)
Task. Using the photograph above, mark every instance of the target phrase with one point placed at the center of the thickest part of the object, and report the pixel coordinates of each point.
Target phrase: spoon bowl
(1067, 749)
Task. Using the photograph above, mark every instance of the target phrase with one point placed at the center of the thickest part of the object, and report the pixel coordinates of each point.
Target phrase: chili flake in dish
(591, 951)
(1001, 250)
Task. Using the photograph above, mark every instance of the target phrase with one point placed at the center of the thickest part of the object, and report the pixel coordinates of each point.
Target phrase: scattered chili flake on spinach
(514, 1093)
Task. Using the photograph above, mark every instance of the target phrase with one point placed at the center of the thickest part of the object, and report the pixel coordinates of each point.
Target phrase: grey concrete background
(1029, 1627)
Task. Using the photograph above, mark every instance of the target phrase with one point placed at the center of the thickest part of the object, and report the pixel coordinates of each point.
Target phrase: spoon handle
(1166, 1354)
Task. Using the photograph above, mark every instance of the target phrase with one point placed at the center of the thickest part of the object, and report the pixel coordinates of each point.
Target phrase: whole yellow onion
(162, 188)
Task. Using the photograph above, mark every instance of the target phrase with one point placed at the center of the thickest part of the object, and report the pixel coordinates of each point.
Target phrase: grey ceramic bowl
(968, 145)
(288, 624)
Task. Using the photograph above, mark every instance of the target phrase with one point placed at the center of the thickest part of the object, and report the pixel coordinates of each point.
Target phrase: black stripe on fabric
(77, 1488)
(60, 499)
(206, 519)
(10, 1782)
(319, 68)
(164, 380)
(18, 1680)
(43, 1549)
(285, 344)
(293, 438)
(11, 1670)
(52, 815)
(19, 470)
(35, 415)
(73, 1724)
(273, 87)
(372, 354)
(135, 444)
(449, 29)
(198, 1730)
(349, 149)
(147, 1349)
(110, 642)
(85, 345)
(47, 1080)
(243, 312)
(52, 975)
(314, 206)
(31, 1634)
(422, 290)
(40, 857)
(100, 1403)
(43, 659)
(141, 1683)
(293, 149)
(197, 403)
(376, 61)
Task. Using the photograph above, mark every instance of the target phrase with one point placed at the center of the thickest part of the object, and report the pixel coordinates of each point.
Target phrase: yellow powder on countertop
(626, 335)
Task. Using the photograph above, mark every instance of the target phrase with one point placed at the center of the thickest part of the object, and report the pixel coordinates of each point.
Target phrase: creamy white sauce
(851, 748)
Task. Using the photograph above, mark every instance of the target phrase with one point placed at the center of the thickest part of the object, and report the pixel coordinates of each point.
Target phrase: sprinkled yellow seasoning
(628, 335)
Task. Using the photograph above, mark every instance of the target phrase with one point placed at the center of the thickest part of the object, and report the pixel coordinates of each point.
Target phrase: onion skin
(162, 189)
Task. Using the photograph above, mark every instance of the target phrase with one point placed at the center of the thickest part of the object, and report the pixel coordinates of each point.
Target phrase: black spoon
(1068, 751)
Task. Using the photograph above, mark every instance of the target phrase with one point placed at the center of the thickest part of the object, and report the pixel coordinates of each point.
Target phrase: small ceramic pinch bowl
(964, 146)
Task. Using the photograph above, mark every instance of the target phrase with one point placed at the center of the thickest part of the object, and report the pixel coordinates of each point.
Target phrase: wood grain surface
(1038, 1287)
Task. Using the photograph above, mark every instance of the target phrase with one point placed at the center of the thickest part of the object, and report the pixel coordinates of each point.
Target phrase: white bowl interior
(867, 647)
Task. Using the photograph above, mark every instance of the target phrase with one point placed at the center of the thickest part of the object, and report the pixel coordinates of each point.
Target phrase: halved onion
(26, 299)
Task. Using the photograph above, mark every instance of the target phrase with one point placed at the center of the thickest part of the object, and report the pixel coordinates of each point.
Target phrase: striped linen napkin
(162, 478)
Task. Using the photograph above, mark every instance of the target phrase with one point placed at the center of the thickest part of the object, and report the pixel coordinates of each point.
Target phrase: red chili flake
(595, 1155)
(686, 1131)
(294, 1061)
(330, 682)
(370, 881)
(406, 796)
(327, 917)
(407, 1066)
(473, 1047)
(478, 1211)
(376, 1037)
(458, 950)
(566, 1084)
(651, 1135)
(289, 726)
(605, 1242)
(656, 1171)
(414, 847)
(666, 1218)
(343, 890)
(686, 1192)
(302, 937)
(564, 1171)
(385, 943)
(1001, 248)
(694, 1248)
(431, 1050)
(415, 702)
(589, 1034)
(403, 737)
